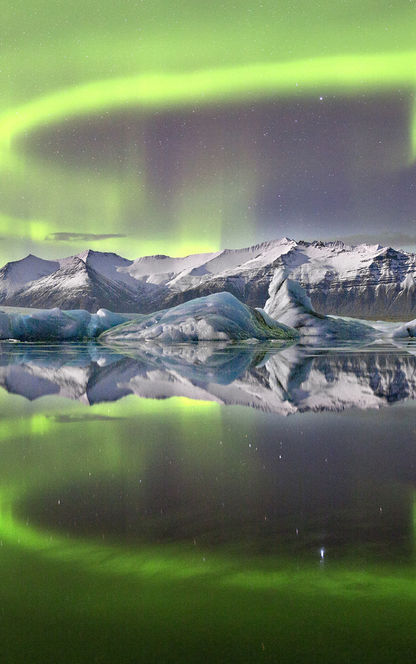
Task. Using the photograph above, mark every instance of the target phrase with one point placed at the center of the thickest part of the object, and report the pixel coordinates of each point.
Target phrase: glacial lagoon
(208, 502)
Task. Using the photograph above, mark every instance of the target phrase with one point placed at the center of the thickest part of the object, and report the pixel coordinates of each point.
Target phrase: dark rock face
(379, 291)
(387, 302)
(251, 288)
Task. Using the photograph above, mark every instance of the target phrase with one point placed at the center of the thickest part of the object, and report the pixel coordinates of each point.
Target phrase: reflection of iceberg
(286, 380)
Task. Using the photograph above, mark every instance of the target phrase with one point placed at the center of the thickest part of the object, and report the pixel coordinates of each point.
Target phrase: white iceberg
(216, 317)
(405, 331)
(289, 304)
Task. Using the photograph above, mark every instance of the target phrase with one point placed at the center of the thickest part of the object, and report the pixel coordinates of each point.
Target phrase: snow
(181, 272)
(19, 273)
(333, 259)
(110, 265)
(166, 265)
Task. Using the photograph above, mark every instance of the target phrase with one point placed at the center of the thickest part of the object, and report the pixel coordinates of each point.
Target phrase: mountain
(18, 274)
(365, 281)
(88, 281)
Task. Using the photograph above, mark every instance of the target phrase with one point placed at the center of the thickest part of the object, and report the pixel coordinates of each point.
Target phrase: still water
(207, 503)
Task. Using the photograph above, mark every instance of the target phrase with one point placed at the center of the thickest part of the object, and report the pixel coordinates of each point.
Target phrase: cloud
(69, 418)
(384, 238)
(81, 237)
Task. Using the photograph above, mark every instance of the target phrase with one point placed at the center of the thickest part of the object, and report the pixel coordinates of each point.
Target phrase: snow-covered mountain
(366, 281)
(90, 281)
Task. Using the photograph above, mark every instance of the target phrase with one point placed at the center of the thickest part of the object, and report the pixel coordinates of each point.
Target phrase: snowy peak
(77, 285)
(18, 273)
(365, 281)
(111, 265)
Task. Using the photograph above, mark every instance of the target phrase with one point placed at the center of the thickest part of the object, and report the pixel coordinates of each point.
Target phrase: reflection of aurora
(168, 562)
(93, 556)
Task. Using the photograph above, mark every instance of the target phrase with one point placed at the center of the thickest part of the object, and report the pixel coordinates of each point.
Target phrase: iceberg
(216, 317)
(57, 325)
(288, 316)
(289, 304)
(405, 331)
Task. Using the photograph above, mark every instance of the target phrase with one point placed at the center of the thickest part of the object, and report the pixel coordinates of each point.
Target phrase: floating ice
(288, 315)
(216, 317)
(405, 331)
(58, 325)
(289, 304)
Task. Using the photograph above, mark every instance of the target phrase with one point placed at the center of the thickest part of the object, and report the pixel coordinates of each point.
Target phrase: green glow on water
(170, 562)
(164, 588)
(62, 460)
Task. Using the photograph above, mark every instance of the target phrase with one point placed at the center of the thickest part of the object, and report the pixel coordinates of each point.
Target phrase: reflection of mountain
(282, 380)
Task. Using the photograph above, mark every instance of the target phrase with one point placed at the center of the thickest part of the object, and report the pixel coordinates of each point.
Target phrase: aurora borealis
(155, 127)
(160, 529)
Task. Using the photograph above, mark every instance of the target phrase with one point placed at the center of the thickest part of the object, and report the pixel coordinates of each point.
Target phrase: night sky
(162, 127)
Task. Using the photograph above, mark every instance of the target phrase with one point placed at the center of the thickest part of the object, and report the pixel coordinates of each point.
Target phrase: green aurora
(65, 68)
(61, 63)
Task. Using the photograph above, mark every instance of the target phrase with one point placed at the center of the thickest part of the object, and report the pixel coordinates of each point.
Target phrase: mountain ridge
(365, 281)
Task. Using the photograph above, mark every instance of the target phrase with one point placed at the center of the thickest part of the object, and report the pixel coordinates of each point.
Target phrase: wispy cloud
(68, 418)
(81, 237)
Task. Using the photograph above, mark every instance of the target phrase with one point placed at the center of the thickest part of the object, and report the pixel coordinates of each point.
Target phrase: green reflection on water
(159, 601)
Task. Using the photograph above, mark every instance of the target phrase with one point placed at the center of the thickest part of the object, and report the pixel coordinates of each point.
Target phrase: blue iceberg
(58, 325)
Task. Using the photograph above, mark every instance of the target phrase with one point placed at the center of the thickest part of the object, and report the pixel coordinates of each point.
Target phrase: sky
(180, 127)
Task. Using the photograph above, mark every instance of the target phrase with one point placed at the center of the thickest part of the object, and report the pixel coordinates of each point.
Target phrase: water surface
(208, 502)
